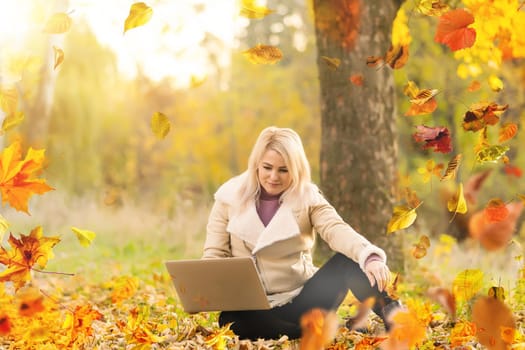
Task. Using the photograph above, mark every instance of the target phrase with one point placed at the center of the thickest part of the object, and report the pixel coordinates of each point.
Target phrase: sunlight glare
(14, 22)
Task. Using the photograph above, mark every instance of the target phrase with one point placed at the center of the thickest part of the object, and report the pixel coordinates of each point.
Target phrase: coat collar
(246, 223)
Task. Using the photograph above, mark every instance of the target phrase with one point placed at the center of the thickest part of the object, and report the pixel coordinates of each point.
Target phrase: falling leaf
(497, 292)
(123, 288)
(495, 210)
(457, 204)
(453, 30)
(332, 62)
(250, 9)
(12, 120)
(422, 101)
(402, 217)
(431, 168)
(410, 325)
(360, 318)
(474, 86)
(26, 251)
(373, 61)
(436, 138)
(356, 79)
(17, 177)
(511, 170)
(491, 153)
(432, 7)
(4, 225)
(452, 167)
(467, 284)
(263, 54)
(490, 315)
(9, 100)
(445, 298)
(30, 301)
(482, 114)
(139, 14)
(507, 131)
(85, 237)
(318, 329)
(197, 81)
(419, 249)
(397, 56)
(495, 83)
(59, 56)
(58, 23)
(160, 125)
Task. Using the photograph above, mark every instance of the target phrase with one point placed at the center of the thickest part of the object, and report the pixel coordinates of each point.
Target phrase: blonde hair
(288, 144)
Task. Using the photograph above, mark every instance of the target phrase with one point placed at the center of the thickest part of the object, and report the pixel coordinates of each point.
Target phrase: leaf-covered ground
(129, 312)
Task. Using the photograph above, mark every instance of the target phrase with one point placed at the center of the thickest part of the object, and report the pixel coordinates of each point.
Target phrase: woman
(271, 212)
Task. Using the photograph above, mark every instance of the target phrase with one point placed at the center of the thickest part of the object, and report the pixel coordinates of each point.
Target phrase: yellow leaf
(250, 9)
(160, 125)
(467, 284)
(4, 224)
(402, 217)
(491, 153)
(196, 81)
(332, 62)
(85, 237)
(58, 23)
(458, 204)
(432, 7)
(495, 83)
(263, 54)
(11, 120)
(59, 56)
(9, 100)
(452, 167)
(139, 14)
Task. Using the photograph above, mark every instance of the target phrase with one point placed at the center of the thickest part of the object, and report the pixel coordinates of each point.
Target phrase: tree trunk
(358, 147)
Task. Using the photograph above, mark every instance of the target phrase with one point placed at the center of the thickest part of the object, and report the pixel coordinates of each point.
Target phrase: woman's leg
(255, 324)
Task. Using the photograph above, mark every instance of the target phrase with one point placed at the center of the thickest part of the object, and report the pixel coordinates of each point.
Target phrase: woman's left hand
(378, 272)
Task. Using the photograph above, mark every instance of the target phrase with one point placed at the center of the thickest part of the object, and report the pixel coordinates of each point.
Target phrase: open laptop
(220, 284)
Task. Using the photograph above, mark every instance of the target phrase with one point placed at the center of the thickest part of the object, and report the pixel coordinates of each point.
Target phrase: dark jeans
(326, 289)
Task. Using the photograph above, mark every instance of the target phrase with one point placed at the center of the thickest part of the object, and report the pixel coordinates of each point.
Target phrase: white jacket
(283, 249)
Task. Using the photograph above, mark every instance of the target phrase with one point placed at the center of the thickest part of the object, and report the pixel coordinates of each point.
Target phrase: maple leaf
(437, 138)
(17, 182)
(410, 325)
(25, 253)
(79, 321)
(30, 301)
(431, 168)
(453, 30)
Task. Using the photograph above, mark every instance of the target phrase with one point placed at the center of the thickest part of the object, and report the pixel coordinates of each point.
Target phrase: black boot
(387, 311)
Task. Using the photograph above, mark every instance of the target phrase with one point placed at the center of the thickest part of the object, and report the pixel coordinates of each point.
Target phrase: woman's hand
(377, 272)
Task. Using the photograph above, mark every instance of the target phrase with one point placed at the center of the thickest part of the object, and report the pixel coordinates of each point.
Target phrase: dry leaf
(85, 237)
(318, 329)
(59, 56)
(58, 23)
(356, 79)
(467, 284)
(263, 54)
(332, 62)
(490, 315)
(507, 131)
(139, 14)
(452, 167)
(445, 298)
(361, 317)
(458, 204)
(12, 120)
(250, 9)
(160, 125)
(474, 86)
(402, 217)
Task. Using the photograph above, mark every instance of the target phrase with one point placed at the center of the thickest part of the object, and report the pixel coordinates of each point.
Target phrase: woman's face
(273, 174)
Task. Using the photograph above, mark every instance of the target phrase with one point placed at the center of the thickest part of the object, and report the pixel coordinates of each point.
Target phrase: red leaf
(496, 210)
(511, 170)
(453, 30)
(356, 79)
(437, 138)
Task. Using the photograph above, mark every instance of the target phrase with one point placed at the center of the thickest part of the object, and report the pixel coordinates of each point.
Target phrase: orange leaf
(419, 249)
(463, 332)
(356, 79)
(397, 56)
(426, 108)
(318, 329)
(496, 210)
(482, 114)
(25, 253)
(17, 182)
(453, 30)
(507, 131)
(490, 315)
(444, 297)
(5, 324)
(79, 322)
(407, 329)
(512, 170)
(263, 54)
(474, 86)
(452, 167)
(373, 61)
(370, 343)
(30, 302)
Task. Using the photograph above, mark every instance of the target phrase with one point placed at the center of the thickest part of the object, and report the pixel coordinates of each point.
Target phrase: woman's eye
(283, 170)
(267, 167)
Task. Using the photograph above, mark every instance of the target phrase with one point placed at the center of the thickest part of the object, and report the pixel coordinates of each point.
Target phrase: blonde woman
(272, 213)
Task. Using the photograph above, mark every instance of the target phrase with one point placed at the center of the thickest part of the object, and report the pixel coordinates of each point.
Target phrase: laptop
(219, 284)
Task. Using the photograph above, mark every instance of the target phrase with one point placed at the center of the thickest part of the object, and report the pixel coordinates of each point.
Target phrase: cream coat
(283, 249)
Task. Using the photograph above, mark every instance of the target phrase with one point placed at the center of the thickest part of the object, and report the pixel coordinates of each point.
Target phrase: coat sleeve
(339, 235)
(217, 244)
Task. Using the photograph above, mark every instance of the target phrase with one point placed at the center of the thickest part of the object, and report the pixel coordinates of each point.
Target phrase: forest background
(147, 197)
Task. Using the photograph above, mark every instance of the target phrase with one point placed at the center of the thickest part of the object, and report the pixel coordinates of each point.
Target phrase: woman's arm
(217, 244)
